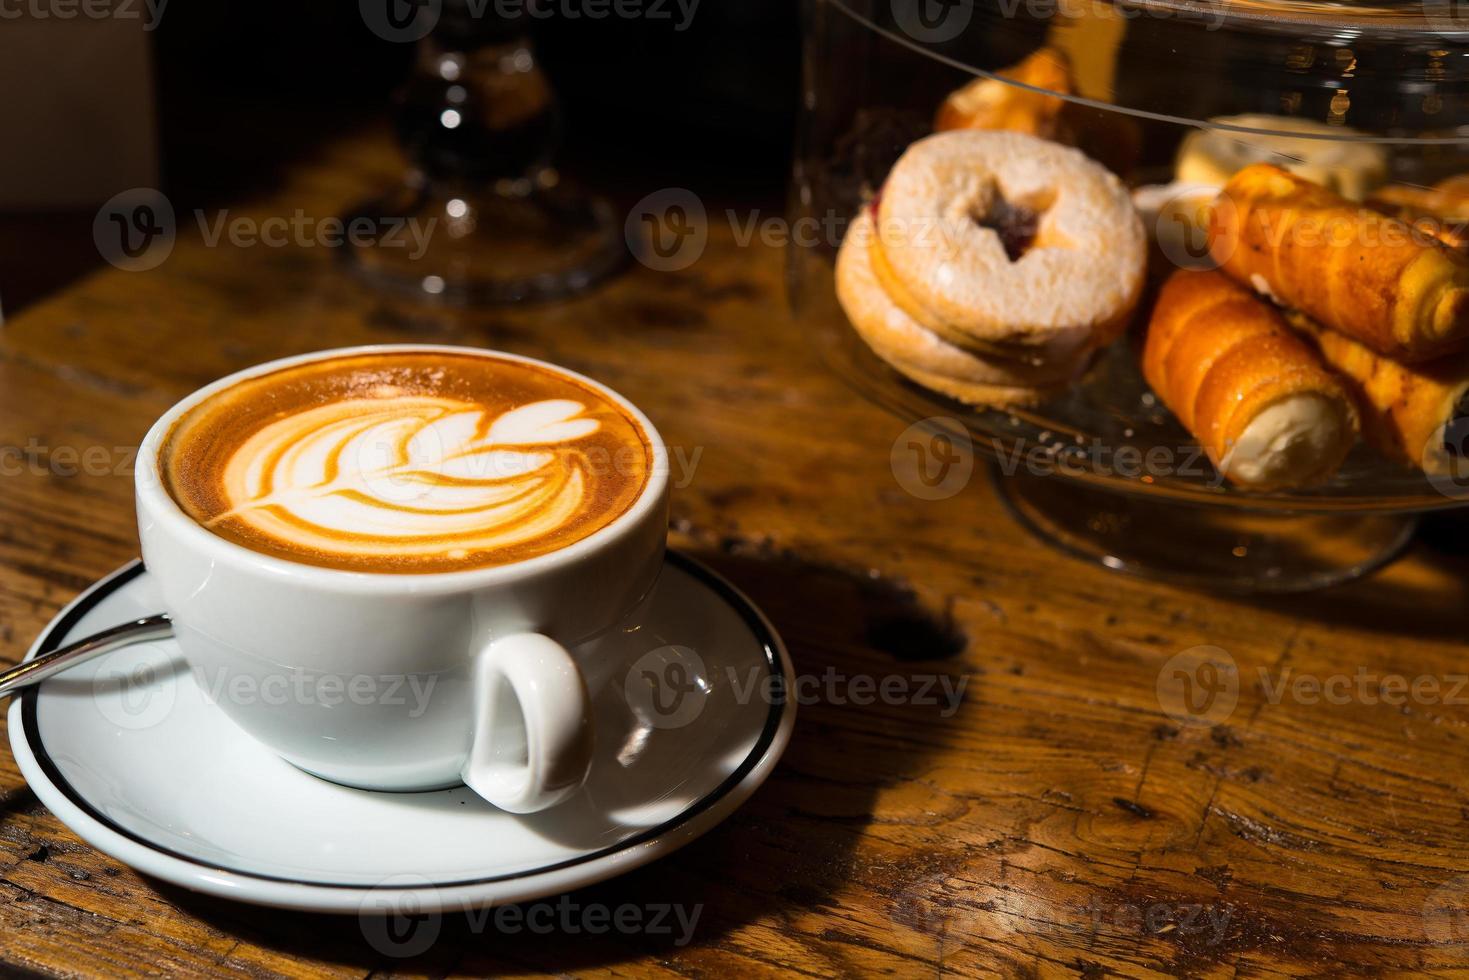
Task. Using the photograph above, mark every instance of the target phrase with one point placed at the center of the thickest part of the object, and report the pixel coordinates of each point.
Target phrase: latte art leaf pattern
(412, 476)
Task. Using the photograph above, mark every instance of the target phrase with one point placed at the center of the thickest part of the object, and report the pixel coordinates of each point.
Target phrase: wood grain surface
(1058, 822)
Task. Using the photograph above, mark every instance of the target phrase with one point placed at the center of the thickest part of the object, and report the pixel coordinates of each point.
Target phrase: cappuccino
(406, 462)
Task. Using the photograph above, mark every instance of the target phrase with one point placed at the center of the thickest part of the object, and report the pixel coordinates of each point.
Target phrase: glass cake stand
(1104, 471)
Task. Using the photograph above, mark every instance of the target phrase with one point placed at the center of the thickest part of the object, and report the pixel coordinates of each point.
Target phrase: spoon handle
(34, 671)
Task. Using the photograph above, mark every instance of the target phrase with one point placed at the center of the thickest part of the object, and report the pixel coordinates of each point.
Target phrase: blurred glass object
(498, 224)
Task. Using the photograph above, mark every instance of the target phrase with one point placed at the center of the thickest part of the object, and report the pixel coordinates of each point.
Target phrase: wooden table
(1059, 821)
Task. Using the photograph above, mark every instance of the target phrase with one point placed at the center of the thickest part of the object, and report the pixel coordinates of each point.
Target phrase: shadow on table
(787, 851)
(1432, 609)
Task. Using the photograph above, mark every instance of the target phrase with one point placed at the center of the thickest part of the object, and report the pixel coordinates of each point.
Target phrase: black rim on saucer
(775, 662)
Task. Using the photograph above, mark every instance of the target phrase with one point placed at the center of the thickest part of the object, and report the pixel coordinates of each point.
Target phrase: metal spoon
(34, 671)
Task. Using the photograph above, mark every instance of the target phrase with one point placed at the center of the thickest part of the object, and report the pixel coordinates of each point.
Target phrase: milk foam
(412, 476)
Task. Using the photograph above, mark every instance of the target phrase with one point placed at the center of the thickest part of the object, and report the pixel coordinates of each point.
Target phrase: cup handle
(532, 739)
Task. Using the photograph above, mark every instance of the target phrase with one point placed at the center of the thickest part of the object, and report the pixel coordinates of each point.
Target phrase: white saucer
(131, 755)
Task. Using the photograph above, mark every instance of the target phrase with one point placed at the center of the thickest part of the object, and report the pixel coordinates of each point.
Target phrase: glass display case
(1365, 107)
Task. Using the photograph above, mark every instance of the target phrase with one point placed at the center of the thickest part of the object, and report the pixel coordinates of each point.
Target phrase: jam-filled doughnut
(1002, 243)
(922, 355)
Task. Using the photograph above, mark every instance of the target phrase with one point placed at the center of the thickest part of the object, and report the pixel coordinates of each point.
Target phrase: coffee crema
(408, 461)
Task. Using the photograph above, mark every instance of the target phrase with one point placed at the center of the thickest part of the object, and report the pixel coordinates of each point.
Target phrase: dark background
(245, 86)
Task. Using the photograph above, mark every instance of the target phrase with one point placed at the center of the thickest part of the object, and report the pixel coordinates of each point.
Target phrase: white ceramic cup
(405, 681)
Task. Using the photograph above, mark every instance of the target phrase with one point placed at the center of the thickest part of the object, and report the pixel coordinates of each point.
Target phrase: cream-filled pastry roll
(1410, 412)
(1257, 397)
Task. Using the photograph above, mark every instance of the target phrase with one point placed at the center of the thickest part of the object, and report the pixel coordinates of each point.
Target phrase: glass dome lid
(1394, 71)
(1361, 110)
(1347, 19)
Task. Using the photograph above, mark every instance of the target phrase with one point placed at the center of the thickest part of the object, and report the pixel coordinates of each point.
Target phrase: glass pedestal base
(510, 242)
(1220, 549)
